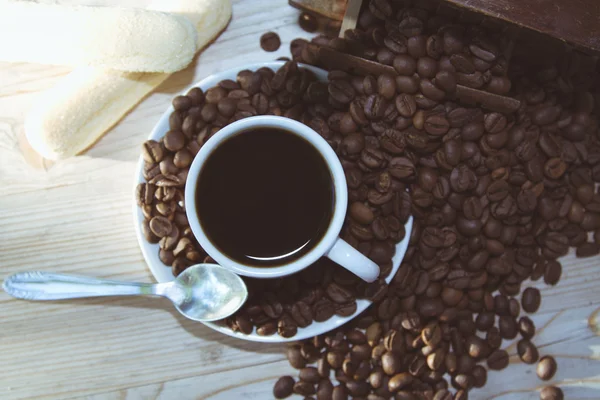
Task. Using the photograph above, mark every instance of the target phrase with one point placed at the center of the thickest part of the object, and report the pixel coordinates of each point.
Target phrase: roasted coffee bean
(335, 359)
(145, 194)
(417, 46)
(386, 86)
(531, 299)
(304, 388)
(494, 122)
(323, 367)
(546, 368)
(338, 293)
(508, 327)
(462, 63)
(182, 103)
(372, 158)
(431, 307)
(173, 140)
(270, 41)
(436, 360)
(357, 388)
(434, 47)
(286, 327)
(401, 168)
(324, 390)
(391, 363)
(150, 236)
(498, 360)
(407, 84)
(175, 120)
(209, 112)
(380, 229)
(405, 65)
(374, 107)
(369, 84)
(470, 228)
(346, 309)
(352, 144)
(384, 183)
(399, 381)
(267, 329)
(436, 125)
(309, 374)
(381, 9)
(462, 381)
(426, 67)
(555, 168)
(551, 393)
(243, 324)
(445, 80)
(406, 105)
(160, 226)
(586, 250)
(545, 115)
(214, 95)
(361, 213)
(323, 309)
(443, 394)
(183, 159)
(526, 327)
(341, 91)
(472, 208)
(527, 351)
(339, 393)
(476, 347)
(552, 272)
(479, 375)
(308, 22)
(152, 151)
(462, 179)
(283, 387)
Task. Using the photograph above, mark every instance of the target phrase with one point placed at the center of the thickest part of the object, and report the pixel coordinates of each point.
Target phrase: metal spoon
(203, 292)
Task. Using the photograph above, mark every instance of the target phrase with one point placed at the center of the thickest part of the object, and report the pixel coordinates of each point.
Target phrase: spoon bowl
(210, 292)
(203, 292)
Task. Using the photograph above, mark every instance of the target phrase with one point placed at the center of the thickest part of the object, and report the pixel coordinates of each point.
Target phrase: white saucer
(163, 273)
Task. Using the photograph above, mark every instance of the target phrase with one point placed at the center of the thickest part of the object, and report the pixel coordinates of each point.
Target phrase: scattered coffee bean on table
(546, 368)
(284, 387)
(270, 41)
(551, 393)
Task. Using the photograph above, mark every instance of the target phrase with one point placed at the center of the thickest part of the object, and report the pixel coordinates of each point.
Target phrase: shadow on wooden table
(195, 328)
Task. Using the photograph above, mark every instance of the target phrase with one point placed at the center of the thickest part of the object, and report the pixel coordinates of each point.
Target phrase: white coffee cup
(331, 245)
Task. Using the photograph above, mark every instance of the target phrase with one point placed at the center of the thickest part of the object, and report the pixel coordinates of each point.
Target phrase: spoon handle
(39, 285)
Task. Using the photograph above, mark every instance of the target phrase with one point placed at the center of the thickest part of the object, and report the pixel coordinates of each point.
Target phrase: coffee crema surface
(265, 197)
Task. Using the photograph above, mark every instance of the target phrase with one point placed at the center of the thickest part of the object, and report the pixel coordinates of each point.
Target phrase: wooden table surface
(74, 216)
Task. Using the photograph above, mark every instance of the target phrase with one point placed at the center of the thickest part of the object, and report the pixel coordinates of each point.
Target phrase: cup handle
(353, 260)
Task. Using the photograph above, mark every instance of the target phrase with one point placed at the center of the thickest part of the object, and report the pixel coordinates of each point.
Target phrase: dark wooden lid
(574, 21)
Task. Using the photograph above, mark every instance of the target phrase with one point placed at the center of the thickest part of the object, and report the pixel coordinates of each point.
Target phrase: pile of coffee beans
(380, 205)
(497, 199)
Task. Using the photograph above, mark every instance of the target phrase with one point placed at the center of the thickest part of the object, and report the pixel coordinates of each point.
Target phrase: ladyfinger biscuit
(134, 40)
(75, 113)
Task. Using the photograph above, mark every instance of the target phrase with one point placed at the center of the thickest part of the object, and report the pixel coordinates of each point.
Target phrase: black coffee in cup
(265, 197)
